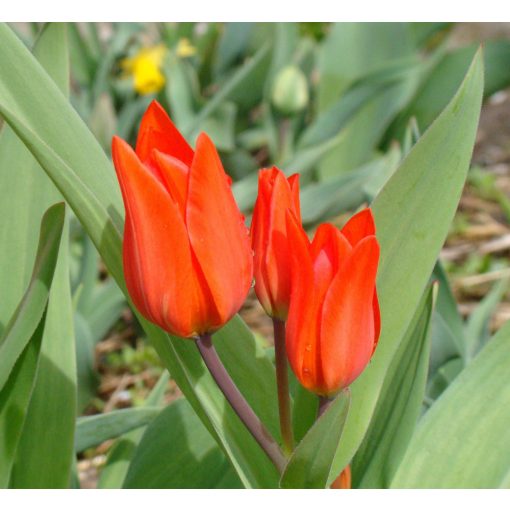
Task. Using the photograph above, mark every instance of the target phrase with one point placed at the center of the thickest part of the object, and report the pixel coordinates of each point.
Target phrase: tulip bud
(333, 323)
(290, 90)
(277, 194)
(186, 251)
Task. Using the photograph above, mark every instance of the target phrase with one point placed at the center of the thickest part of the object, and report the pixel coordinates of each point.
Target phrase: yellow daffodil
(145, 68)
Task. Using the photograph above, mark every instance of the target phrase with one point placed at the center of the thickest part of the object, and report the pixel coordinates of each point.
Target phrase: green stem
(282, 384)
(238, 402)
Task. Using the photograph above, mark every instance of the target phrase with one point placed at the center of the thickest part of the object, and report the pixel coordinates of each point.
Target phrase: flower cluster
(189, 264)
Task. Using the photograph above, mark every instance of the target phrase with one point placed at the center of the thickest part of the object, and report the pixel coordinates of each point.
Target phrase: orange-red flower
(333, 323)
(186, 250)
(269, 239)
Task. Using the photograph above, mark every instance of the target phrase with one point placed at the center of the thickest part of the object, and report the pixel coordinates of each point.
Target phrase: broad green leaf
(464, 440)
(352, 50)
(94, 430)
(28, 315)
(304, 411)
(332, 119)
(311, 462)
(14, 399)
(399, 405)
(178, 90)
(19, 379)
(233, 44)
(114, 472)
(445, 77)
(45, 451)
(442, 378)
(41, 116)
(177, 452)
(367, 127)
(413, 213)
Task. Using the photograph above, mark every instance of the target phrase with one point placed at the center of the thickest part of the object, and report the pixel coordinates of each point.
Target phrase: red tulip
(269, 239)
(186, 250)
(333, 323)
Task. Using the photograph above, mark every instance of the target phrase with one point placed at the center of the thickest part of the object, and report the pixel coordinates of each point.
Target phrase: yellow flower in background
(184, 48)
(145, 68)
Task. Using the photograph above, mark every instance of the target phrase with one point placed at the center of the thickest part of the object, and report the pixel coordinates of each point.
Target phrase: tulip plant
(340, 400)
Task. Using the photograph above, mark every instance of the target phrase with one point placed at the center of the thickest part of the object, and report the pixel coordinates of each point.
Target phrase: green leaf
(177, 452)
(94, 430)
(345, 192)
(178, 90)
(477, 327)
(240, 78)
(41, 116)
(413, 213)
(447, 326)
(28, 315)
(233, 45)
(304, 411)
(399, 404)
(445, 77)
(114, 472)
(464, 440)
(45, 451)
(311, 462)
(364, 47)
(19, 379)
(87, 378)
(366, 128)
(14, 399)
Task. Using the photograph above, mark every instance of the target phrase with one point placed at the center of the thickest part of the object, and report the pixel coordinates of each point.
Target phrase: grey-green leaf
(310, 465)
(399, 405)
(177, 452)
(93, 430)
(464, 439)
(29, 312)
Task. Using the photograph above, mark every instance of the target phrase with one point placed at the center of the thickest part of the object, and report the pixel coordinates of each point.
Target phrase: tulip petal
(157, 131)
(348, 331)
(329, 250)
(259, 239)
(174, 175)
(294, 186)
(160, 274)
(276, 250)
(359, 226)
(302, 326)
(218, 234)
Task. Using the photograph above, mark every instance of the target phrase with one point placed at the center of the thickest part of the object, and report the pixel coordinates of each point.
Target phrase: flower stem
(238, 402)
(282, 383)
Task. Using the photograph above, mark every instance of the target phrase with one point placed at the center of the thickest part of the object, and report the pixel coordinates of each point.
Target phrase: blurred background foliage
(341, 104)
